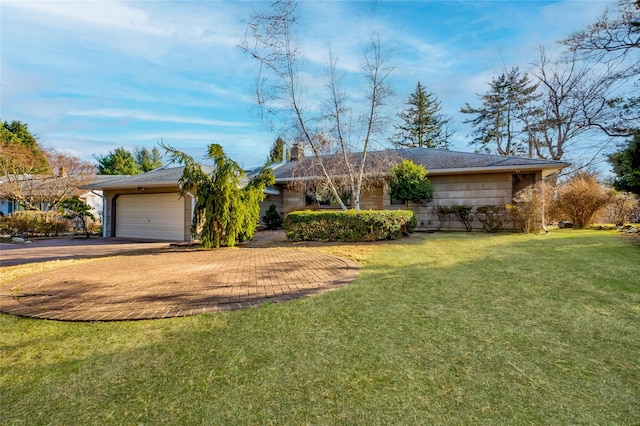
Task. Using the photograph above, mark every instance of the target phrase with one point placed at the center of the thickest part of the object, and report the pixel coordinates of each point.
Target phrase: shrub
(526, 212)
(580, 199)
(408, 182)
(33, 222)
(463, 213)
(349, 225)
(272, 219)
(492, 218)
(621, 207)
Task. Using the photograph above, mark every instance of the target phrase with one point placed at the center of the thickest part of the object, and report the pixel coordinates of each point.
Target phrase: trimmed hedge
(349, 225)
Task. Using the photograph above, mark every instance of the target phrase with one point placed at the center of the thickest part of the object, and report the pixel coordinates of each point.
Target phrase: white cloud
(115, 15)
(146, 116)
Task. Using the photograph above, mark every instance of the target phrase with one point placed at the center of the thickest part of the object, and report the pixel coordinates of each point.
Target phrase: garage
(150, 216)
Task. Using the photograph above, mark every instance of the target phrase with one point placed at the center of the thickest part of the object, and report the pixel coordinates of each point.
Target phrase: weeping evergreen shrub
(226, 211)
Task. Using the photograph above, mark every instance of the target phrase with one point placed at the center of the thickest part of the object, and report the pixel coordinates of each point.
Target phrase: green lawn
(438, 329)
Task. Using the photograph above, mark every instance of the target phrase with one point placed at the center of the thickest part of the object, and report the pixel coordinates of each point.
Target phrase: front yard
(437, 329)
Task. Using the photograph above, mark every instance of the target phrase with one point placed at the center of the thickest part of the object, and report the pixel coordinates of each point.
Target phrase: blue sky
(91, 76)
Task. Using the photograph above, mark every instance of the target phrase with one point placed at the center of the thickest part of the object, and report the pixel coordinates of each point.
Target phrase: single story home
(457, 178)
(149, 206)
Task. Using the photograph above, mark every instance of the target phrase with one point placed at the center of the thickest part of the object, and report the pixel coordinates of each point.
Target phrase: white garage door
(153, 216)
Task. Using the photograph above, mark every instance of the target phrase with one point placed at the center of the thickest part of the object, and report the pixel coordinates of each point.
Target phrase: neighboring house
(458, 178)
(42, 188)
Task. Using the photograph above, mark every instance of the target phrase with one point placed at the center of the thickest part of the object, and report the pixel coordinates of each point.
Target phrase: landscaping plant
(580, 199)
(226, 212)
(272, 219)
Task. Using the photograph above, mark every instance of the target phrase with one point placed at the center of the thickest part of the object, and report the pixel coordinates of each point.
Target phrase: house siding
(495, 189)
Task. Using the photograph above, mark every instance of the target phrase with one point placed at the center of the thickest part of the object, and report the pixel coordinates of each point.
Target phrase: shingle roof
(437, 161)
(163, 176)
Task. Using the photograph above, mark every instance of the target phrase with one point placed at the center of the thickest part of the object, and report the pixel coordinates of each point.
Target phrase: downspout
(544, 226)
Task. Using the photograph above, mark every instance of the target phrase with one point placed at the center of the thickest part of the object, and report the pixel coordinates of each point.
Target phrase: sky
(91, 76)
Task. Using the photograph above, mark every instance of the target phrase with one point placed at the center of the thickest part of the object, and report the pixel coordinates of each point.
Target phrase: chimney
(296, 152)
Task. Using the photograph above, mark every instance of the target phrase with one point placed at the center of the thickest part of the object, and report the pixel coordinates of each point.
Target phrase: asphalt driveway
(43, 250)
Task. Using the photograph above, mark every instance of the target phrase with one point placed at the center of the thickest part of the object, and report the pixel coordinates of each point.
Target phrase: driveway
(170, 282)
(42, 250)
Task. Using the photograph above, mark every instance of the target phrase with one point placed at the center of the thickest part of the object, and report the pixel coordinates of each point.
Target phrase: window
(521, 181)
(395, 201)
(324, 198)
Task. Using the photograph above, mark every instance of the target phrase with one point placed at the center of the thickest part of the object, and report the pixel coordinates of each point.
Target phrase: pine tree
(148, 160)
(279, 152)
(502, 122)
(626, 166)
(75, 208)
(422, 124)
(118, 162)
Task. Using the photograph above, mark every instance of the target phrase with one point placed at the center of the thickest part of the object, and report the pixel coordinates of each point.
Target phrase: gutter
(465, 171)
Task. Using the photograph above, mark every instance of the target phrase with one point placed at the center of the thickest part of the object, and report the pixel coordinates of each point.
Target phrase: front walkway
(173, 284)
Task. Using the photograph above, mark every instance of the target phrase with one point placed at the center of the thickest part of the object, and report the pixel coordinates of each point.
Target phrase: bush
(493, 218)
(349, 225)
(463, 213)
(580, 199)
(33, 222)
(408, 182)
(272, 219)
(621, 207)
(526, 212)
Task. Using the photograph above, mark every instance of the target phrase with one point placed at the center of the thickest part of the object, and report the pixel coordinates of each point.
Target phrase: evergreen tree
(225, 212)
(626, 166)
(422, 124)
(148, 160)
(20, 152)
(502, 122)
(118, 162)
(75, 208)
(277, 152)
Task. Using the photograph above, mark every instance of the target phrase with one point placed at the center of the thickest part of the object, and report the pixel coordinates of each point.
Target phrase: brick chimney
(296, 152)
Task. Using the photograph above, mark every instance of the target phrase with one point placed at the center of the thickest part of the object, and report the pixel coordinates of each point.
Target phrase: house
(458, 178)
(149, 205)
(46, 190)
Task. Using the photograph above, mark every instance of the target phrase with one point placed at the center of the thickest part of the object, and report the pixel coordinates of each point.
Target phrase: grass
(437, 329)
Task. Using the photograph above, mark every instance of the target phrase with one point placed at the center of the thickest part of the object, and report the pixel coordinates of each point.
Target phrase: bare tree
(47, 191)
(342, 128)
(574, 104)
(614, 34)
(614, 39)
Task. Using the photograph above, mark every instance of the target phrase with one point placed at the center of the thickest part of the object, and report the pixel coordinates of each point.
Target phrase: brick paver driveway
(174, 283)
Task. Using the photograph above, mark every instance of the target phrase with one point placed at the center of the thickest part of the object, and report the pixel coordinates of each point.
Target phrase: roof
(45, 186)
(163, 176)
(436, 161)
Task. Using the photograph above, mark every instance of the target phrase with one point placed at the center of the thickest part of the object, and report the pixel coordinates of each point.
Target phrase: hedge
(349, 225)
